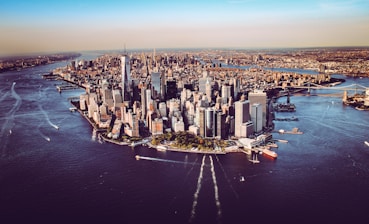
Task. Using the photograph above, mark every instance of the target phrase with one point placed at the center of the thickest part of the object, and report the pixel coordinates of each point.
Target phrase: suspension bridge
(308, 86)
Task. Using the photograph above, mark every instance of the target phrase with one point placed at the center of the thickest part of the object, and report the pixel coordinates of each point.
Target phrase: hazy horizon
(41, 26)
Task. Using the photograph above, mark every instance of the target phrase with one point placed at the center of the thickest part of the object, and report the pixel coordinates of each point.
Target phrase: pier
(66, 86)
(286, 119)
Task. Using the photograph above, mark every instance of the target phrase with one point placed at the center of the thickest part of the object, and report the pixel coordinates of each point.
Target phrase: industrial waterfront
(68, 175)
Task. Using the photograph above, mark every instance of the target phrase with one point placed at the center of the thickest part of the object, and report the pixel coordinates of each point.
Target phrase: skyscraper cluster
(153, 99)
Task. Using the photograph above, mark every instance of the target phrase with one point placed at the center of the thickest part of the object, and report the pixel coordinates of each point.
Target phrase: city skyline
(41, 26)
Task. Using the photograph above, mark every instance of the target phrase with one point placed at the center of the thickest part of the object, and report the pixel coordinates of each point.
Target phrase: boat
(270, 153)
(242, 179)
(366, 143)
(282, 140)
(272, 145)
(161, 148)
(137, 157)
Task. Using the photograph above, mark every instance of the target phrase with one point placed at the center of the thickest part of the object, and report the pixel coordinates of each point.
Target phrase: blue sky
(29, 26)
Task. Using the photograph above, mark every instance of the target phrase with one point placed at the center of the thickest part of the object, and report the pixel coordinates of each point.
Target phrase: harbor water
(53, 168)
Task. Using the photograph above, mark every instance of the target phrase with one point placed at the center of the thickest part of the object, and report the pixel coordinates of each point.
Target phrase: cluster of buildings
(151, 94)
(152, 98)
(347, 61)
(21, 62)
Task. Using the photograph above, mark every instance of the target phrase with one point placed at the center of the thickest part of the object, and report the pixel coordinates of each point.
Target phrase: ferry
(270, 153)
(366, 143)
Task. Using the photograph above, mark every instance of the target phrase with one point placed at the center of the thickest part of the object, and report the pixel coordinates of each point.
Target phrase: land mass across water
(22, 62)
(192, 101)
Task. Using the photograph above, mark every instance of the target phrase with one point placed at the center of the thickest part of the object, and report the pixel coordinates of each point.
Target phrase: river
(50, 175)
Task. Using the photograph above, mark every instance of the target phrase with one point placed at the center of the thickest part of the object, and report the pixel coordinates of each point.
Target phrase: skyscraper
(242, 116)
(171, 89)
(260, 97)
(143, 102)
(226, 93)
(126, 77)
(210, 124)
(208, 91)
(155, 85)
(257, 116)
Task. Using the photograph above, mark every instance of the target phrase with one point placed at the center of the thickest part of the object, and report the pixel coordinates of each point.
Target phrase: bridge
(308, 86)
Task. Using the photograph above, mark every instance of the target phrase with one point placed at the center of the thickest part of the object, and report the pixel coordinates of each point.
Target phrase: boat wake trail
(93, 136)
(159, 160)
(47, 118)
(9, 118)
(216, 193)
(196, 195)
(42, 135)
(3, 96)
(226, 176)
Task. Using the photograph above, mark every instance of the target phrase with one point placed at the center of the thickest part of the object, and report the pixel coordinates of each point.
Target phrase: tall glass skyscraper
(126, 77)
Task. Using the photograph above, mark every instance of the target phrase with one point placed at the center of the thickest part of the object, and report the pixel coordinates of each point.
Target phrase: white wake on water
(216, 193)
(47, 118)
(160, 160)
(9, 117)
(226, 176)
(42, 135)
(198, 188)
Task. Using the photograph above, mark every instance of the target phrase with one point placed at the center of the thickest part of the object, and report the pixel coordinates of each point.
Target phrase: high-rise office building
(226, 93)
(171, 89)
(203, 81)
(143, 102)
(155, 85)
(202, 121)
(208, 91)
(260, 97)
(210, 124)
(117, 98)
(126, 77)
(242, 116)
(257, 116)
(236, 85)
(221, 128)
(162, 86)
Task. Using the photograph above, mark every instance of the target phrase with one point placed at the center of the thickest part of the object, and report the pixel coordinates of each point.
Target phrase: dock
(286, 119)
(66, 87)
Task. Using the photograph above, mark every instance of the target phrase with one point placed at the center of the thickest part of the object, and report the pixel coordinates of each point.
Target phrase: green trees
(185, 140)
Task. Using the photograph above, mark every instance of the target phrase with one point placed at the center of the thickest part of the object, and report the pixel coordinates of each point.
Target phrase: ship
(285, 107)
(366, 143)
(270, 153)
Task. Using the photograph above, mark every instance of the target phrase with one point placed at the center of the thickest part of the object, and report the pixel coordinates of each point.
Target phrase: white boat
(366, 143)
(242, 179)
(137, 157)
(161, 148)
